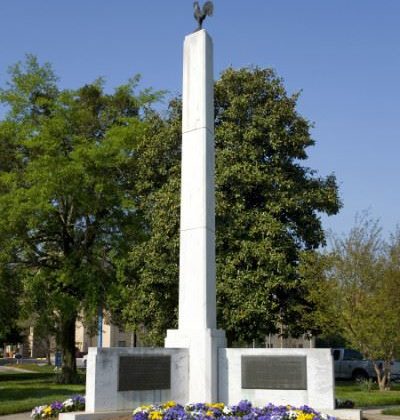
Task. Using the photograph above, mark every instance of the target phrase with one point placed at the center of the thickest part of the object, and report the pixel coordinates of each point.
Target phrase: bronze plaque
(274, 372)
(144, 372)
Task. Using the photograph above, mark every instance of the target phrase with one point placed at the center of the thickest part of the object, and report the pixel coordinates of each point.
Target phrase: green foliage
(322, 296)
(367, 385)
(267, 213)
(67, 198)
(89, 193)
(147, 293)
(366, 272)
(267, 204)
(9, 308)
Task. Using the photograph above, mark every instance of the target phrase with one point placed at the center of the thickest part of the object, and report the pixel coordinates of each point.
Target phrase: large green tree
(364, 279)
(66, 191)
(267, 213)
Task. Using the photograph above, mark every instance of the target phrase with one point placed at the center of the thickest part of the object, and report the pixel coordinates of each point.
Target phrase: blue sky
(343, 54)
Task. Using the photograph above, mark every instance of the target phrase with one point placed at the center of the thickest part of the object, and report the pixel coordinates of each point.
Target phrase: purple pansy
(57, 406)
(241, 411)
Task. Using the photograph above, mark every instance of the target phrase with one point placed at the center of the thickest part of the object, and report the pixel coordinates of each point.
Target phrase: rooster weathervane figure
(200, 14)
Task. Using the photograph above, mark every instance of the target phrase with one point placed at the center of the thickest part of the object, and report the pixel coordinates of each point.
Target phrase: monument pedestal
(203, 348)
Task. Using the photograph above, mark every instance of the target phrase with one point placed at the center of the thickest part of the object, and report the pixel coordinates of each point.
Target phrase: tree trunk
(48, 352)
(382, 371)
(229, 338)
(67, 341)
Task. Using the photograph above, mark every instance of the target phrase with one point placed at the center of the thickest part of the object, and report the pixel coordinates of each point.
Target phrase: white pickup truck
(350, 364)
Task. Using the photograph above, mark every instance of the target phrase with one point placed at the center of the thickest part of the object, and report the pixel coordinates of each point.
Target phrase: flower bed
(200, 411)
(244, 410)
(75, 403)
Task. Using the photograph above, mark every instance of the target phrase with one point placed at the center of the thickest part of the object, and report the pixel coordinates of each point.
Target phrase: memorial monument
(197, 321)
(195, 365)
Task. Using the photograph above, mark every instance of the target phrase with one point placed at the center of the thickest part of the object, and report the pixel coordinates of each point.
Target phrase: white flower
(227, 411)
(68, 403)
(37, 411)
(145, 409)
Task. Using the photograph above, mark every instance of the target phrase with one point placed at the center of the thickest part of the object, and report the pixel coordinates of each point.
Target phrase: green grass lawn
(391, 411)
(364, 398)
(21, 392)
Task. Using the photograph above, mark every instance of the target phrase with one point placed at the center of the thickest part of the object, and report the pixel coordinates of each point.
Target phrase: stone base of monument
(124, 378)
(121, 379)
(203, 346)
(280, 376)
(284, 376)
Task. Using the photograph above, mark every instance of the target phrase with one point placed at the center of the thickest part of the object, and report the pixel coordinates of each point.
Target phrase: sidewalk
(375, 414)
(18, 416)
(10, 369)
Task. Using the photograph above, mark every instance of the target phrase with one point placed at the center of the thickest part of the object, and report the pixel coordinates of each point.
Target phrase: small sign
(144, 372)
(58, 359)
(274, 372)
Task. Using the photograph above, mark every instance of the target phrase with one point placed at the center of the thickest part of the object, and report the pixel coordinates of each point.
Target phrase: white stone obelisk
(197, 289)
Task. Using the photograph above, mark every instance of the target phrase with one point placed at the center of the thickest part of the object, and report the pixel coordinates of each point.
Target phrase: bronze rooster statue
(200, 15)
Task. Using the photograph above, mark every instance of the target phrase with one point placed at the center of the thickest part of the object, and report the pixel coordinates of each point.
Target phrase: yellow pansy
(47, 411)
(304, 416)
(170, 404)
(209, 413)
(218, 406)
(155, 415)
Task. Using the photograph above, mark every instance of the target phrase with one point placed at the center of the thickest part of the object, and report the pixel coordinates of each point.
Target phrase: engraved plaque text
(144, 372)
(274, 372)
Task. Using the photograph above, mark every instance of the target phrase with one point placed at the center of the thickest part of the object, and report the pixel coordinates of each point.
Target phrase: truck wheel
(360, 375)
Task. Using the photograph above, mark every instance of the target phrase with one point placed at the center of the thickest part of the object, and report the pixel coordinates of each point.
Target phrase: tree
(267, 204)
(321, 295)
(10, 288)
(66, 199)
(146, 295)
(366, 272)
(267, 212)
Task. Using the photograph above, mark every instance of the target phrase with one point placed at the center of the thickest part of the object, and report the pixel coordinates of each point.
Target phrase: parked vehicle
(350, 364)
